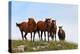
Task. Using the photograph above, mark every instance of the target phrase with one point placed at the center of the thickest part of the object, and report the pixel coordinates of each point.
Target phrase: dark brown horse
(61, 33)
(43, 26)
(53, 29)
(48, 26)
(27, 27)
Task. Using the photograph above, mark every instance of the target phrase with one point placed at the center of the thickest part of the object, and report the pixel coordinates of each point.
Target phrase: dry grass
(42, 46)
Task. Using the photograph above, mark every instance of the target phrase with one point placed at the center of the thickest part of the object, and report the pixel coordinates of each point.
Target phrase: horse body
(53, 29)
(43, 26)
(61, 34)
(32, 26)
(48, 26)
(27, 27)
(23, 28)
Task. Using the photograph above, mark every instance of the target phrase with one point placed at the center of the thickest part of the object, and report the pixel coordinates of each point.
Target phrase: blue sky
(65, 15)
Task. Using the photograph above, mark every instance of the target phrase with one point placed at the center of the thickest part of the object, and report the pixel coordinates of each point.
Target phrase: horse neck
(48, 25)
(53, 25)
(34, 22)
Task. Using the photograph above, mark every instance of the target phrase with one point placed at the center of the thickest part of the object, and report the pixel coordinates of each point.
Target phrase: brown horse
(53, 29)
(43, 26)
(27, 27)
(61, 33)
(32, 27)
(48, 26)
(22, 26)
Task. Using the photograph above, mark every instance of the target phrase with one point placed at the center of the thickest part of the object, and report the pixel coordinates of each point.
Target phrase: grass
(43, 46)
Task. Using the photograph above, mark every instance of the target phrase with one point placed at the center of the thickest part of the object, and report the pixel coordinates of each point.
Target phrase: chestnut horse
(32, 27)
(27, 27)
(22, 26)
(53, 29)
(43, 26)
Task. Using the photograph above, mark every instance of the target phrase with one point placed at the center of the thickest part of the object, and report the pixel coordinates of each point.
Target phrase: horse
(27, 27)
(53, 29)
(43, 26)
(22, 26)
(61, 33)
(32, 26)
(48, 26)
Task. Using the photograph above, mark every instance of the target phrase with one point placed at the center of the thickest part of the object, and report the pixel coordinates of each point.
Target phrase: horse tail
(17, 24)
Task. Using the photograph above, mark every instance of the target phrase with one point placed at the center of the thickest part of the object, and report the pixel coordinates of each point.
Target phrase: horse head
(54, 21)
(60, 27)
(47, 20)
(30, 19)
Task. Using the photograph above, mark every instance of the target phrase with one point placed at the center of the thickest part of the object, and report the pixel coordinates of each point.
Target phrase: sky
(66, 15)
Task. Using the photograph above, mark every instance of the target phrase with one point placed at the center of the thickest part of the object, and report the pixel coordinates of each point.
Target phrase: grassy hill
(42, 46)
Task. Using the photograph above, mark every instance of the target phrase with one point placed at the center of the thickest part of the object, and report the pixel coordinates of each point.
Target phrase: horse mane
(31, 21)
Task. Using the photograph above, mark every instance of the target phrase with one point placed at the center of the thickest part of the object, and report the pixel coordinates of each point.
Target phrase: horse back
(23, 26)
(41, 25)
(31, 26)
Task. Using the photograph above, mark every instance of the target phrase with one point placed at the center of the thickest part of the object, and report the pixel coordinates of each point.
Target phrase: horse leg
(25, 36)
(48, 36)
(34, 36)
(55, 37)
(52, 36)
(22, 35)
(31, 36)
(45, 35)
(41, 35)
